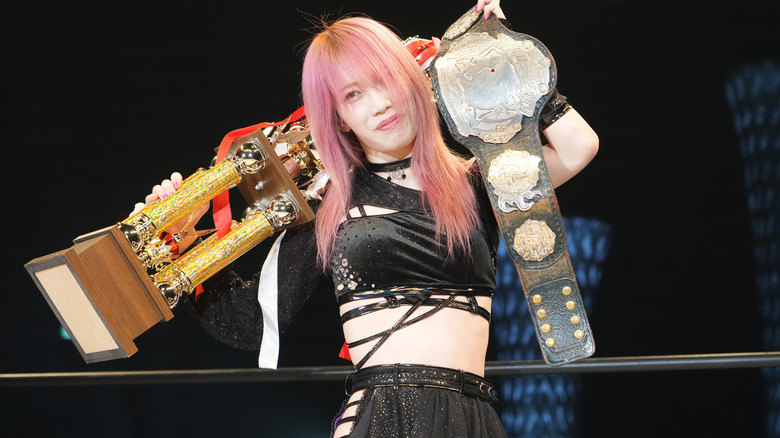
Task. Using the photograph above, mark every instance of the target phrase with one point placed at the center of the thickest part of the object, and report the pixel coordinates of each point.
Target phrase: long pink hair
(360, 47)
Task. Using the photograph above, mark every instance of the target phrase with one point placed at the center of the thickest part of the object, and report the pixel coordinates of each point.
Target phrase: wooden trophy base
(101, 294)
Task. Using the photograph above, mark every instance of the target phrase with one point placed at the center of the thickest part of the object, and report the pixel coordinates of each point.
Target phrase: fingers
(436, 43)
(489, 7)
(200, 212)
(481, 5)
(138, 207)
(150, 198)
(176, 180)
(167, 187)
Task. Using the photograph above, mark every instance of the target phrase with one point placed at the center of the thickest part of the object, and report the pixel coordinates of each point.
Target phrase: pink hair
(360, 47)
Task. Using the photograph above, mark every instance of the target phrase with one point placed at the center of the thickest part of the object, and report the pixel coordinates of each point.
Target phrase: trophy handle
(198, 189)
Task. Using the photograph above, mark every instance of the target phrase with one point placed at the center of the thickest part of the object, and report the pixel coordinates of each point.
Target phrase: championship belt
(491, 85)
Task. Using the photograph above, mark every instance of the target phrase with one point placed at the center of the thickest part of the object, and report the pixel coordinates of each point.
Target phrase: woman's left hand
(490, 7)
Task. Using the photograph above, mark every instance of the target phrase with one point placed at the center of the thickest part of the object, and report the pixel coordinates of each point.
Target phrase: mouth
(389, 123)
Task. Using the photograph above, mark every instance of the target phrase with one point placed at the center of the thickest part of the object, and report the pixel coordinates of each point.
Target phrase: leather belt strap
(398, 375)
(491, 85)
(393, 302)
(409, 291)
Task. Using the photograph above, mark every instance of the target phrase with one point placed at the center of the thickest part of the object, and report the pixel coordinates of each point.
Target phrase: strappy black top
(396, 256)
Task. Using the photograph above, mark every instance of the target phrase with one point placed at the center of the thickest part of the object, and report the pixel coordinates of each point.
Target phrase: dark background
(102, 101)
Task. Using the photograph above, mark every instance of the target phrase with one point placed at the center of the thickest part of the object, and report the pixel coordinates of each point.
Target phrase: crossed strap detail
(415, 301)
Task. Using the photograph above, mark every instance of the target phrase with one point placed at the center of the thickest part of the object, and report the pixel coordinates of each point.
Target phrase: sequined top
(400, 249)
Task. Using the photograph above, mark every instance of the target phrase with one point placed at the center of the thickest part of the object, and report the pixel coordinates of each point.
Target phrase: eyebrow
(348, 86)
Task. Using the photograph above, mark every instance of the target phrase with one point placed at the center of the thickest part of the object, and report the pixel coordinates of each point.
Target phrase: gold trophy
(115, 283)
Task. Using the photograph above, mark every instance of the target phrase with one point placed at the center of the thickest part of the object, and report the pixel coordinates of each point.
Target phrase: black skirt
(422, 412)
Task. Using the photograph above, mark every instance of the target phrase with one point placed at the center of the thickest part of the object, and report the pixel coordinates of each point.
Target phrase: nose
(380, 100)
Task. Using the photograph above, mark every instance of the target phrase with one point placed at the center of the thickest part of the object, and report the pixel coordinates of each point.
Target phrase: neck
(377, 156)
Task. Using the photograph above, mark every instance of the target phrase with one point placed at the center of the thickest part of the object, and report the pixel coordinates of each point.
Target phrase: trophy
(115, 283)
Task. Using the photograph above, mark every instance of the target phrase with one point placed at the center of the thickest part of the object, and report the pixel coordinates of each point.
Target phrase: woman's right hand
(162, 191)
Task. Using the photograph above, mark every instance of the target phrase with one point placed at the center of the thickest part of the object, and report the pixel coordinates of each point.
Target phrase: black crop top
(400, 249)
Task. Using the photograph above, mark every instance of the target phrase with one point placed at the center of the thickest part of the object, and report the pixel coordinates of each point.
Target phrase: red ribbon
(421, 50)
(221, 203)
(344, 353)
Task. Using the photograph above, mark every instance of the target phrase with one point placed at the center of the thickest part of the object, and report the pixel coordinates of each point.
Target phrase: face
(385, 131)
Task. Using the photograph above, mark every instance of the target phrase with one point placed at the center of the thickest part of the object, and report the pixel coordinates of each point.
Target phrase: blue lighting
(64, 334)
(753, 94)
(543, 405)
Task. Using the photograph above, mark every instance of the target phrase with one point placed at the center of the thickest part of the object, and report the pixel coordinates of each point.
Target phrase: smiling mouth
(388, 123)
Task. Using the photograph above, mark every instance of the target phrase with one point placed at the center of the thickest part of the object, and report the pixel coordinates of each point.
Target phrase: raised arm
(572, 145)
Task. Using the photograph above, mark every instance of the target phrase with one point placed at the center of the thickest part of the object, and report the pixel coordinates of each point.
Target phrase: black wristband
(555, 108)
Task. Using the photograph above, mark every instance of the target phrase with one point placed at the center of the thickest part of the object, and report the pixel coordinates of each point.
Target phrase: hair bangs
(368, 53)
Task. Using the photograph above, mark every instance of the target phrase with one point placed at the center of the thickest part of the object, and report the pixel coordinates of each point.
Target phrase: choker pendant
(397, 174)
(395, 168)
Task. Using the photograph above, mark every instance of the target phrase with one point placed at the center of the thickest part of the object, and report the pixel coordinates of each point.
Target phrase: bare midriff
(450, 338)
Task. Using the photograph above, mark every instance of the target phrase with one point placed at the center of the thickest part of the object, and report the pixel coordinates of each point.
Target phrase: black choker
(396, 168)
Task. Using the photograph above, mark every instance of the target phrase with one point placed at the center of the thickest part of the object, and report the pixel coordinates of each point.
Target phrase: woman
(406, 233)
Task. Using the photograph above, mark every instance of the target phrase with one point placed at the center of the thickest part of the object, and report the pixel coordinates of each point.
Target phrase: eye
(352, 95)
